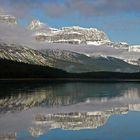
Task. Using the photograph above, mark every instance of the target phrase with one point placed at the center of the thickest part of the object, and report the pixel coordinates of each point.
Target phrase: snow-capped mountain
(37, 25)
(73, 49)
(72, 35)
(8, 19)
(66, 60)
(134, 48)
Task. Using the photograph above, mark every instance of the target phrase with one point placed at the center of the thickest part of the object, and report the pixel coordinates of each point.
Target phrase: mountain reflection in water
(40, 108)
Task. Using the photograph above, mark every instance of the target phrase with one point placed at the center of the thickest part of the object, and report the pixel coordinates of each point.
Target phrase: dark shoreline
(16, 71)
(55, 80)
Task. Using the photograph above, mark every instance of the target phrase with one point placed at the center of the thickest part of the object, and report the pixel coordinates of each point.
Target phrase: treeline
(16, 70)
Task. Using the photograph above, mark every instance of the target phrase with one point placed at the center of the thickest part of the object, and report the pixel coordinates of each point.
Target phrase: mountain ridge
(66, 60)
(100, 55)
(72, 35)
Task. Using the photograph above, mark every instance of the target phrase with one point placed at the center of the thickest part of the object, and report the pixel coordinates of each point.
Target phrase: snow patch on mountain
(134, 48)
(36, 24)
(71, 35)
(75, 62)
(8, 19)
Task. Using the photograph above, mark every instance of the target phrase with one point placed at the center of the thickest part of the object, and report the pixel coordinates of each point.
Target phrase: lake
(69, 111)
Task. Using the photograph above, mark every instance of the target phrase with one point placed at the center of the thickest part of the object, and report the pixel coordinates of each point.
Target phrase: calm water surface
(69, 111)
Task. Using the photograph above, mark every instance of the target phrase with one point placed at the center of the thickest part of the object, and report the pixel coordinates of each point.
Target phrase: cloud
(89, 8)
(56, 10)
(83, 8)
(19, 8)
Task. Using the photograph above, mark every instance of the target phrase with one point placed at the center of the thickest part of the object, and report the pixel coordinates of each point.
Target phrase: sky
(120, 19)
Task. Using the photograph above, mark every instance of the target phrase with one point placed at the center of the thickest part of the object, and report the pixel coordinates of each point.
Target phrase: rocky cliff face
(23, 54)
(72, 35)
(8, 19)
(37, 25)
(8, 136)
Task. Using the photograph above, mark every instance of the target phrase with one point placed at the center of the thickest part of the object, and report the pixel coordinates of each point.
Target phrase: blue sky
(120, 19)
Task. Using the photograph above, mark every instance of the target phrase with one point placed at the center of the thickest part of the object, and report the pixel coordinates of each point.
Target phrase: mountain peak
(36, 24)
